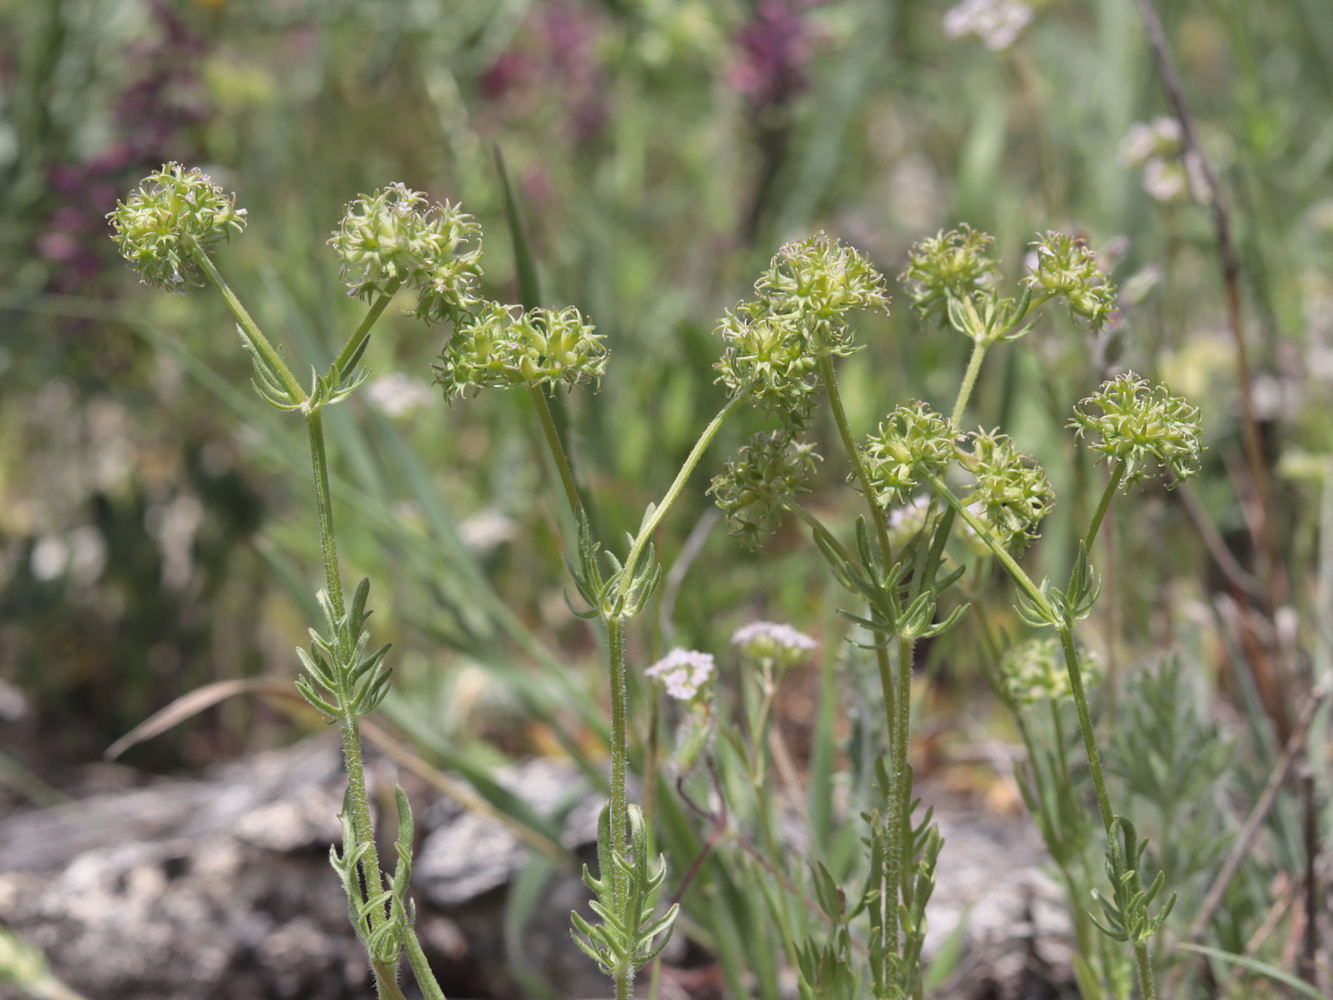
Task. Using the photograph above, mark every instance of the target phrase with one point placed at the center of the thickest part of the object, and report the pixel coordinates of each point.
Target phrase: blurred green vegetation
(153, 537)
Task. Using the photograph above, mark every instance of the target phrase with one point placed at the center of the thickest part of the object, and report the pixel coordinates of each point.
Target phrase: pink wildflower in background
(683, 672)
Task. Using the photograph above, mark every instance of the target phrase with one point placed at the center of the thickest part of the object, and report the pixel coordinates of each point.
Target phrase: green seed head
(758, 486)
(950, 266)
(396, 234)
(498, 346)
(1147, 428)
(911, 440)
(173, 214)
(1009, 489)
(1067, 268)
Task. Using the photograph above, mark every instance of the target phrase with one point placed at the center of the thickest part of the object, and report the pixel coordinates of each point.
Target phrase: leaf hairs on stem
(172, 213)
(1145, 427)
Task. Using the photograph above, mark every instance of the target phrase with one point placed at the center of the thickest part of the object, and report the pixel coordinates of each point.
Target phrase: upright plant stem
(615, 652)
(557, 450)
(357, 798)
(897, 691)
(979, 348)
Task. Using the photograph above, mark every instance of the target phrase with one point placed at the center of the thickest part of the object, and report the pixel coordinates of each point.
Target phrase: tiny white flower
(683, 672)
(997, 23)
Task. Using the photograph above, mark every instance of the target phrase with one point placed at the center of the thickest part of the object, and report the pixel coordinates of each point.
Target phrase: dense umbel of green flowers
(761, 482)
(774, 343)
(1147, 428)
(911, 440)
(173, 214)
(948, 266)
(1009, 489)
(1068, 268)
(499, 346)
(397, 235)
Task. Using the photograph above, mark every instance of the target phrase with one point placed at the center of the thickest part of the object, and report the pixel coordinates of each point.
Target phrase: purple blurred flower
(150, 114)
(556, 55)
(775, 46)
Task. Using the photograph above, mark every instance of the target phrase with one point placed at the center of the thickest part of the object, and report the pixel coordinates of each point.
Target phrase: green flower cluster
(1034, 671)
(499, 346)
(911, 440)
(173, 214)
(1145, 427)
(1067, 267)
(397, 235)
(774, 343)
(1009, 489)
(758, 485)
(949, 267)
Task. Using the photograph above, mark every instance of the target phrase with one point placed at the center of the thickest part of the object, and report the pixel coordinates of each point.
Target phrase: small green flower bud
(911, 440)
(396, 234)
(172, 215)
(1009, 488)
(761, 483)
(1068, 268)
(1148, 429)
(498, 346)
(949, 266)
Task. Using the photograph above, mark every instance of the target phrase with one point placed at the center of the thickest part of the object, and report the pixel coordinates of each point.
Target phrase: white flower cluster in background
(398, 394)
(997, 23)
(1170, 172)
(772, 641)
(683, 672)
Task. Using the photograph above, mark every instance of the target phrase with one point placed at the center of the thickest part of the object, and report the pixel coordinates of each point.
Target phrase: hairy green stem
(362, 331)
(979, 348)
(897, 691)
(1117, 474)
(615, 651)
